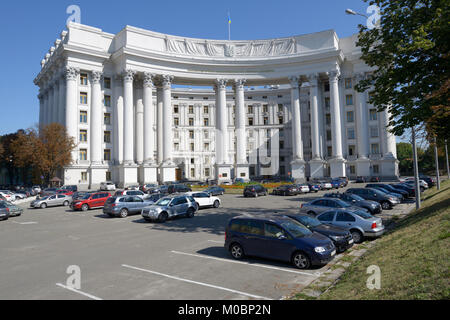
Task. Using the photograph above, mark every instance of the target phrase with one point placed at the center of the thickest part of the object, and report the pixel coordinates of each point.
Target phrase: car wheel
(66, 203)
(162, 217)
(85, 207)
(43, 206)
(190, 213)
(236, 251)
(386, 205)
(357, 236)
(301, 260)
(216, 204)
(123, 213)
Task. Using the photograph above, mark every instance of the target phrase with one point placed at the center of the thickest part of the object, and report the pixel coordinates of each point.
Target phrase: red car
(91, 201)
(64, 192)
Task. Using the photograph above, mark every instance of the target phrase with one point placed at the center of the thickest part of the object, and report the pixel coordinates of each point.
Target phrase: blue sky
(29, 29)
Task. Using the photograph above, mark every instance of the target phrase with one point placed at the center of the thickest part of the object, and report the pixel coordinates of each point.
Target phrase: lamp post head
(350, 11)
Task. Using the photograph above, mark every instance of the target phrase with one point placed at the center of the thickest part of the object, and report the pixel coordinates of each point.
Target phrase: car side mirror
(282, 237)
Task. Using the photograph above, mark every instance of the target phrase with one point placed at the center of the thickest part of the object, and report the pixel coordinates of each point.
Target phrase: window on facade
(265, 108)
(176, 146)
(280, 108)
(107, 155)
(207, 161)
(328, 135)
(250, 109)
(351, 150)
(205, 109)
(191, 122)
(206, 134)
(83, 79)
(349, 100)
(376, 169)
(206, 147)
(192, 173)
(108, 176)
(107, 101)
(326, 87)
(329, 151)
(192, 161)
(107, 83)
(191, 134)
(250, 121)
(327, 103)
(192, 147)
(83, 155)
(282, 170)
(348, 83)
(281, 145)
(350, 116)
(176, 109)
(281, 133)
(352, 170)
(375, 148)
(328, 119)
(207, 172)
(373, 114)
(83, 117)
(206, 122)
(191, 109)
(374, 132)
(83, 135)
(84, 176)
(176, 122)
(350, 133)
(266, 121)
(107, 137)
(107, 119)
(83, 98)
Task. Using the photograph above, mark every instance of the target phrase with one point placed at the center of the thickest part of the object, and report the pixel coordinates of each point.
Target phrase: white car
(422, 183)
(205, 200)
(326, 185)
(37, 189)
(138, 193)
(8, 195)
(107, 186)
(303, 188)
(136, 188)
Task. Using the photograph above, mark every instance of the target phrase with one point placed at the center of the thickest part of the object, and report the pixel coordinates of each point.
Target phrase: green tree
(411, 60)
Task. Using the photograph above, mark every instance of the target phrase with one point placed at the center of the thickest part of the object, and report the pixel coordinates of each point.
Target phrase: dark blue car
(277, 238)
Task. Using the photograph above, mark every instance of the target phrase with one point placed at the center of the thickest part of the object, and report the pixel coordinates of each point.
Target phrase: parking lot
(133, 259)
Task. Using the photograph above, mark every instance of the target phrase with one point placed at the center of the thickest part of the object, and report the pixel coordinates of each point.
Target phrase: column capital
(96, 77)
(294, 81)
(334, 75)
(221, 84)
(128, 75)
(166, 80)
(148, 80)
(239, 84)
(71, 73)
(313, 79)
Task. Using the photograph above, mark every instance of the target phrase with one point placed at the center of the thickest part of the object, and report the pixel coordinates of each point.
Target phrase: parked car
(107, 186)
(325, 185)
(169, 207)
(93, 200)
(205, 200)
(72, 188)
(4, 210)
(318, 206)
(372, 206)
(79, 194)
(342, 238)
(215, 191)
(122, 206)
(344, 180)
(386, 201)
(422, 184)
(303, 188)
(391, 189)
(148, 188)
(375, 179)
(20, 195)
(313, 187)
(411, 191)
(178, 188)
(255, 190)
(361, 179)
(14, 211)
(360, 224)
(2, 198)
(48, 192)
(37, 189)
(52, 201)
(286, 190)
(385, 190)
(8, 195)
(153, 198)
(66, 192)
(239, 180)
(129, 193)
(278, 238)
(133, 187)
(429, 180)
(336, 183)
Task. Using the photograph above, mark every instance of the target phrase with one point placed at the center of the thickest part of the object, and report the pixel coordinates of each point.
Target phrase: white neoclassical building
(149, 107)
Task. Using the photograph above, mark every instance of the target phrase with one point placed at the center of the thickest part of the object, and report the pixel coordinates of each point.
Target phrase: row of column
(52, 101)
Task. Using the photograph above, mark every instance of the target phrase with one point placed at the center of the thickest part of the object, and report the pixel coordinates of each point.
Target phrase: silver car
(318, 206)
(52, 201)
(123, 206)
(360, 224)
(170, 206)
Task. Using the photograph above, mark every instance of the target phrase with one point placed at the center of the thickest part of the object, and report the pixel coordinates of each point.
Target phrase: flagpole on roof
(229, 26)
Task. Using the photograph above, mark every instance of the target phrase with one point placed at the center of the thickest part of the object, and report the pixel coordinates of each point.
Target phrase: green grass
(413, 258)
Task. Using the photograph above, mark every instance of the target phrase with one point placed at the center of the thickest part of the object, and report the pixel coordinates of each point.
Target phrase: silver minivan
(170, 206)
(125, 205)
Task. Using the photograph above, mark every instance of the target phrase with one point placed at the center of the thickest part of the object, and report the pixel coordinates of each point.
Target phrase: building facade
(147, 107)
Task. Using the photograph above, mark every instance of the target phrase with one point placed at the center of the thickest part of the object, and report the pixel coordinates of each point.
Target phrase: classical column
(242, 167)
(62, 101)
(128, 118)
(149, 137)
(71, 75)
(51, 102)
(96, 133)
(389, 162)
(139, 123)
(362, 131)
(41, 109)
(223, 167)
(298, 163)
(118, 119)
(55, 115)
(160, 124)
(337, 163)
(316, 164)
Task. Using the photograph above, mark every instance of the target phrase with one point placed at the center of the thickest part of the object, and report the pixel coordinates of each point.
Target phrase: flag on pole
(229, 26)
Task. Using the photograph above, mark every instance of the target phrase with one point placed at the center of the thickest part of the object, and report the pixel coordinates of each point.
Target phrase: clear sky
(29, 29)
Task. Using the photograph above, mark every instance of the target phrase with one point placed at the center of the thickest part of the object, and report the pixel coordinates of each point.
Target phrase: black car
(360, 179)
(386, 201)
(215, 191)
(411, 191)
(385, 190)
(70, 188)
(255, 191)
(372, 206)
(341, 238)
(277, 238)
(178, 188)
(286, 190)
(389, 188)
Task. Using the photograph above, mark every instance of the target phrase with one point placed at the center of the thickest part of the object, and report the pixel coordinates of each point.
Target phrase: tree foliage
(411, 59)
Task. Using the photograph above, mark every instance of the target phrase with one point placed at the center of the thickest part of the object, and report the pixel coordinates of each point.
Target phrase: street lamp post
(354, 13)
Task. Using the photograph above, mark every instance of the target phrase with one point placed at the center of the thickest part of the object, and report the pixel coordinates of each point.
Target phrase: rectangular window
(83, 135)
(206, 110)
(175, 109)
(280, 108)
(191, 109)
(328, 119)
(266, 121)
(108, 176)
(83, 79)
(350, 117)
(349, 100)
(176, 122)
(107, 119)
(280, 120)
(281, 145)
(250, 121)
(373, 114)
(207, 172)
(206, 147)
(107, 83)
(326, 87)
(376, 169)
(192, 147)
(207, 160)
(250, 109)
(374, 132)
(352, 170)
(265, 108)
(328, 135)
(206, 134)
(107, 137)
(348, 83)
(351, 150)
(107, 101)
(327, 103)
(350, 133)
(192, 173)
(83, 155)
(192, 161)
(107, 155)
(329, 151)
(206, 122)
(176, 147)
(83, 98)
(375, 148)
(191, 134)
(84, 176)
(191, 122)
(83, 117)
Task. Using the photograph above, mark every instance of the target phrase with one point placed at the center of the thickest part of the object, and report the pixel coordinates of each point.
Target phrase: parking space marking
(196, 282)
(213, 241)
(79, 292)
(248, 263)
(24, 223)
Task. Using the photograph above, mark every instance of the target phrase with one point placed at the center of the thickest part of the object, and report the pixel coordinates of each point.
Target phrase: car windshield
(309, 221)
(85, 197)
(343, 204)
(363, 214)
(379, 192)
(163, 202)
(296, 229)
(355, 197)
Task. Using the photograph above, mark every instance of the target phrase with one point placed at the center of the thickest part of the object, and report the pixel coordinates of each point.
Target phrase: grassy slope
(414, 258)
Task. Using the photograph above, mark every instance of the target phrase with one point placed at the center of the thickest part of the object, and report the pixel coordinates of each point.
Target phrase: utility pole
(416, 168)
(438, 181)
(446, 158)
